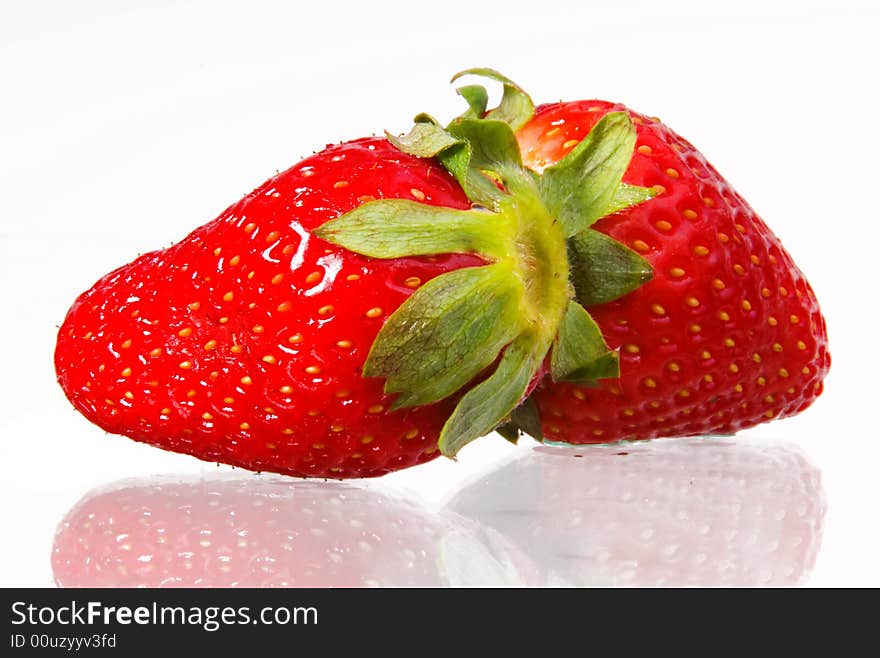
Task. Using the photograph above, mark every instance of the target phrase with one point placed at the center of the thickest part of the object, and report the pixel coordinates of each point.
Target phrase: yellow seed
(738, 388)
(228, 297)
(794, 319)
(640, 245)
(644, 149)
(708, 379)
(374, 312)
(733, 368)
(250, 275)
(740, 228)
(684, 393)
(746, 305)
(801, 345)
(598, 432)
(340, 184)
(314, 412)
(278, 278)
(156, 352)
(700, 250)
(693, 302)
(579, 394)
(705, 355)
(412, 282)
(283, 307)
(718, 284)
(269, 359)
(658, 190)
(777, 347)
(413, 433)
(655, 404)
(709, 203)
(724, 316)
(217, 251)
(246, 380)
(125, 344)
(783, 373)
(756, 357)
(342, 393)
(553, 131)
(183, 333)
(568, 144)
(790, 390)
(677, 272)
(663, 225)
(223, 320)
(165, 411)
(286, 389)
(249, 227)
(229, 400)
(326, 310)
(207, 416)
(271, 237)
(258, 329)
(296, 338)
(673, 366)
(783, 291)
(366, 439)
(236, 349)
(765, 292)
(211, 344)
(657, 309)
(344, 344)
(769, 399)
(772, 321)
(195, 306)
(769, 414)
(695, 328)
(185, 365)
(336, 428)
(313, 370)
(318, 446)
(689, 214)
(739, 269)
(126, 372)
(723, 238)
(287, 431)
(352, 277)
(649, 382)
(632, 349)
(629, 412)
(761, 381)
(313, 277)
(417, 194)
(376, 409)
(755, 260)
(672, 173)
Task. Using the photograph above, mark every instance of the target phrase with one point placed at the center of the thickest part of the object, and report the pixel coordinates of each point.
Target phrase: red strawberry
(727, 334)
(244, 342)
(258, 532)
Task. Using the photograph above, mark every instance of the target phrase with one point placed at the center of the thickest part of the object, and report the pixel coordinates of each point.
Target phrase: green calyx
(481, 334)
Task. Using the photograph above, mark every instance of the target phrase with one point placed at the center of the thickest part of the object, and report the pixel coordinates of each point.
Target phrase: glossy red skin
(734, 340)
(135, 352)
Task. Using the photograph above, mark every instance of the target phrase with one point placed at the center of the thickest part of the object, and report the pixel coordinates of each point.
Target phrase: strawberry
(678, 512)
(244, 342)
(727, 334)
(265, 532)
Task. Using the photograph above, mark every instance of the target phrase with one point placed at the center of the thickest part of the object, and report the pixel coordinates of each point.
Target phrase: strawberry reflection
(268, 532)
(681, 512)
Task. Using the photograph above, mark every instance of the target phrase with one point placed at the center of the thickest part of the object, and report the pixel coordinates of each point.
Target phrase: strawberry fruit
(389, 300)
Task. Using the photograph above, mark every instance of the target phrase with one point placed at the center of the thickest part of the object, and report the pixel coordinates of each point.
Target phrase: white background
(123, 125)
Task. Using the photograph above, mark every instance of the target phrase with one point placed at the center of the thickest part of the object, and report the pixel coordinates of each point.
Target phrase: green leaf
(446, 333)
(424, 140)
(482, 408)
(477, 99)
(515, 108)
(493, 144)
(525, 419)
(602, 269)
(579, 351)
(626, 196)
(579, 188)
(393, 228)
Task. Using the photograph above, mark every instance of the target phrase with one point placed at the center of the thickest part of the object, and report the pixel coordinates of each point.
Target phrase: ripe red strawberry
(258, 532)
(727, 334)
(244, 342)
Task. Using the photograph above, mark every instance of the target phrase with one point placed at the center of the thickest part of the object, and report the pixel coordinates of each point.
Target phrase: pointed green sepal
(394, 228)
(627, 196)
(579, 351)
(580, 188)
(516, 106)
(424, 140)
(602, 269)
(445, 334)
(477, 99)
(525, 419)
(483, 407)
